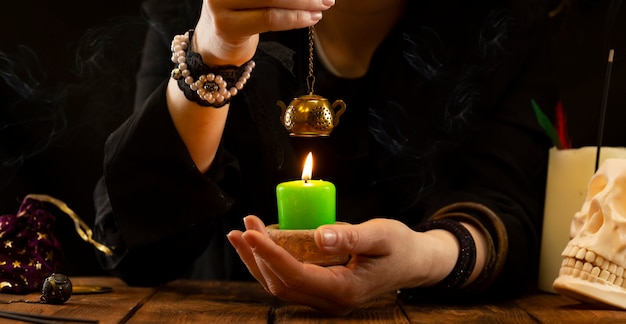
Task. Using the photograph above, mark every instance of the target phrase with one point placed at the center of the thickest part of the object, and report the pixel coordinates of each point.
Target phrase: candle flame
(307, 171)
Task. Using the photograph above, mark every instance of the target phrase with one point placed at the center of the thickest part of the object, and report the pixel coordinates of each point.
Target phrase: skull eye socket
(596, 185)
(618, 196)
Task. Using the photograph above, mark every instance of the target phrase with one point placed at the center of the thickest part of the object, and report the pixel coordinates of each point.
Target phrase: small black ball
(57, 289)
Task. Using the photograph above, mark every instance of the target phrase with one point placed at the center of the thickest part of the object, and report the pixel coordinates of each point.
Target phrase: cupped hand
(227, 32)
(386, 255)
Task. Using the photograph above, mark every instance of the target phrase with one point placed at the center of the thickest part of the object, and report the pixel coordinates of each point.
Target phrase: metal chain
(310, 79)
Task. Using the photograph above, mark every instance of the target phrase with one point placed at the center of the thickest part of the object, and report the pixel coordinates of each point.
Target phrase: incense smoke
(37, 112)
(458, 87)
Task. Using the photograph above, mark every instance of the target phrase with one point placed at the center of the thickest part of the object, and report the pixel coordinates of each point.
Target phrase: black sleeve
(156, 204)
(506, 158)
(502, 161)
(153, 204)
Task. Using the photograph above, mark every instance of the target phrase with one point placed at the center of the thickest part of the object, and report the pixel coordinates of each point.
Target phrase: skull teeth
(579, 262)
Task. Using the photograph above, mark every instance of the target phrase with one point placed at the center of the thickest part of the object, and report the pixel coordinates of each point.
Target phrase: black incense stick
(42, 319)
(605, 96)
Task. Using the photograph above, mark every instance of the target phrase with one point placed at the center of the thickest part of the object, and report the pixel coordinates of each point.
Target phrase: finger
(228, 29)
(245, 253)
(254, 223)
(270, 256)
(255, 21)
(310, 5)
(301, 283)
(248, 17)
(369, 238)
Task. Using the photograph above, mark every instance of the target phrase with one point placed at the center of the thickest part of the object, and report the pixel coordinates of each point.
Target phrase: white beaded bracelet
(207, 86)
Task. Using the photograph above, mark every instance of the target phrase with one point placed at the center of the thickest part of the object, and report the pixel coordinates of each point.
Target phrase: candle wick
(306, 180)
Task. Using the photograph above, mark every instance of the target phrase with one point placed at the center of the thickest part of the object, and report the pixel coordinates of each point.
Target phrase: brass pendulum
(311, 115)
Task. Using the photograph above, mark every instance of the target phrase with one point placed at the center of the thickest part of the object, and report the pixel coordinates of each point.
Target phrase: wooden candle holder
(301, 244)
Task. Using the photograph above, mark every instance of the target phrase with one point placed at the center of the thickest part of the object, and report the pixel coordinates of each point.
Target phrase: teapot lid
(311, 96)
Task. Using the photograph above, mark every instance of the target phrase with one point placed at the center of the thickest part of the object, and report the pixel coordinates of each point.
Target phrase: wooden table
(186, 301)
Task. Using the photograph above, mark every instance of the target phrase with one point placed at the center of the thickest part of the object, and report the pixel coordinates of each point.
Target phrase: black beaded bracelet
(467, 254)
(204, 85)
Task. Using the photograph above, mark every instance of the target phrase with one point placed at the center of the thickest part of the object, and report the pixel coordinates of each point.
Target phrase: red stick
(561, 126)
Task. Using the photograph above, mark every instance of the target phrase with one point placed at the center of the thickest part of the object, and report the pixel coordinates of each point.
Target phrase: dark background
(75, 64)
(75, 86)
(582, 36)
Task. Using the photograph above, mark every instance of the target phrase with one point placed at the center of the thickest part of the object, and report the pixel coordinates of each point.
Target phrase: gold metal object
(311, 115)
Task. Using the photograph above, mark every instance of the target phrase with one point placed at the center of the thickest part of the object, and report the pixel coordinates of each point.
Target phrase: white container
(569, 172)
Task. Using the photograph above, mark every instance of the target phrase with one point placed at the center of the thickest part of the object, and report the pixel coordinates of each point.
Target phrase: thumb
(366, 238)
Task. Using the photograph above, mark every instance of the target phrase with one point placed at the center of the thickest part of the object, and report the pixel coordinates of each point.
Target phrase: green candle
(306, 203)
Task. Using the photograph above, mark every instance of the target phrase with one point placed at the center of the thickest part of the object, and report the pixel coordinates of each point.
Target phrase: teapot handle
(283, 109)
(339, 112)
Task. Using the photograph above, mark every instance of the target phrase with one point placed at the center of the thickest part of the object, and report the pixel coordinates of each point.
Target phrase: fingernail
(329, 237)
(249, 240)
(230, 239)
(328, 2)
(316, 15)
(246, 222)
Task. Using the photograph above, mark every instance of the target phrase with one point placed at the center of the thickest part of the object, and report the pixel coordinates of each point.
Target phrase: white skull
(595, 258)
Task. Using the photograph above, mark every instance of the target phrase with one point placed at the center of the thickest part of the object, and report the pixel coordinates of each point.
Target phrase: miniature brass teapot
(311, 115)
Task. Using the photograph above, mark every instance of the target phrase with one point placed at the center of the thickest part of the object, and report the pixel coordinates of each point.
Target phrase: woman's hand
(386, 256)
(227, 32)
